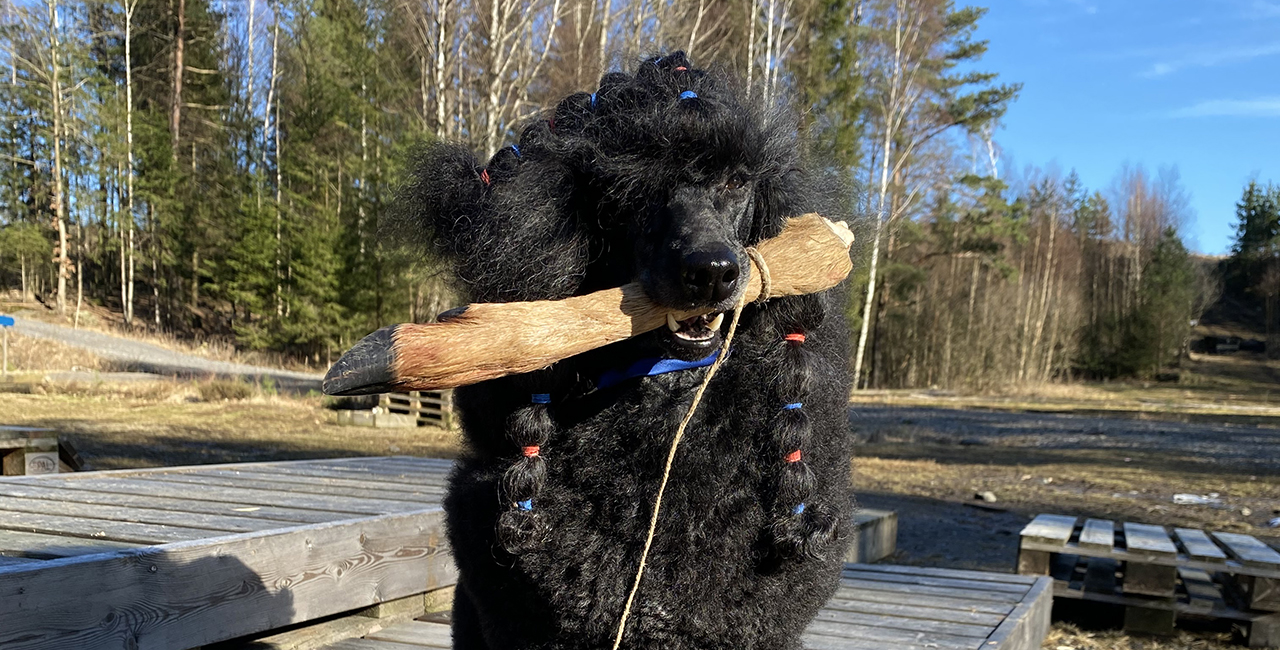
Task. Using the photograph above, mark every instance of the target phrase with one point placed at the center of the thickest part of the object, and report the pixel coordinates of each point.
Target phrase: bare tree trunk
(250, 38)
(1045, 284)
(442, 13)
(155, 256)
(605, 24)
(59, 200)
(179, 50)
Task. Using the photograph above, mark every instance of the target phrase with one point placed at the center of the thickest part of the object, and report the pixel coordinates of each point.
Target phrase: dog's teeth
(672, 323)
(715, 322)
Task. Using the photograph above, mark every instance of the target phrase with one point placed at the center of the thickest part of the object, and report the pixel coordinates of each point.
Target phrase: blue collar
(650, 367)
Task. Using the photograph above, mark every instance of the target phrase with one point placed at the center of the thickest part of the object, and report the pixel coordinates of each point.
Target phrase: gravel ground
(941, 525)
(1212, 446)
(126, 355)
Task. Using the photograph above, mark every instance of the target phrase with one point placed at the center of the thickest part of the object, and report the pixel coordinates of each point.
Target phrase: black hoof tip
(366, 368)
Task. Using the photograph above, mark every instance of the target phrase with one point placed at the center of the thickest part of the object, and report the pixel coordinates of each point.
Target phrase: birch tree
(915, 96)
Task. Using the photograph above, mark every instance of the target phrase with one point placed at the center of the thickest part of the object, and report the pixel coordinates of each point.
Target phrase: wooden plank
(1028, 624)
(241, 481)
(983, 576)
(1098, 534)
(370, 644)
(928, 590)
(1230, 565)
(890, 637)
(437, 467)
(117, 473)
(380, 482)
(120, 531)
(918, 610)
(1198, 544)
(213, 523)
(1152, 540)
(283, 516)
(889, 621)
(937, 602)
(1249, 550)
(431, 635)
(248, 496)
(819, 642)
(395, 463)
(1049, 529)
(334, 630)
(389, 479)
(367, 486)
(43, 546)
(974, 585)
(196, 593)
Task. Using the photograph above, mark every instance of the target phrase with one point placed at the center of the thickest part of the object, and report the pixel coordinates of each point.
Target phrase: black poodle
(662, 178)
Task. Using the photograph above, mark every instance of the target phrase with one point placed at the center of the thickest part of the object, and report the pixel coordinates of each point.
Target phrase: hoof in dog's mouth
(700, 332)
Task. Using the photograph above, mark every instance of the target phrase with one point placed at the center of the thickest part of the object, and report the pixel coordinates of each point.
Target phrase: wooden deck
(182, 557)
(877, 607)
(177, 558)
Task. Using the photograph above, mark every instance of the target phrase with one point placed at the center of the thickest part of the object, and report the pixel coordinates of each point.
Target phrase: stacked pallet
(415, 409)
(1157, 574)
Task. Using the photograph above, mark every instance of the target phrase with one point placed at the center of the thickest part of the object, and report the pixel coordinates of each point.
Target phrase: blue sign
(6, 321)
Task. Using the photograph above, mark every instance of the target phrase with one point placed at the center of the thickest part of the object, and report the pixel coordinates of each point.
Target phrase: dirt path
(126, 355)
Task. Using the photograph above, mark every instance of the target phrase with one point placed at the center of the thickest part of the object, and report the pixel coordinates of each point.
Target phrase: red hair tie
(793, 457)
(484, 176)
(681, 69)
(531, 451)
(797, 337)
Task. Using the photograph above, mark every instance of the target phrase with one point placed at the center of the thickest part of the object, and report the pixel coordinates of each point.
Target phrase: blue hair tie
(798, 510)
(540, 398)
(688, 94)
(516, 149)
(593, 101)
(525, 505)
(792, 406)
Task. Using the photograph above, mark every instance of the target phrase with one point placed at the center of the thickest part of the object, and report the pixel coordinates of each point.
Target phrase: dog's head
(662, 177)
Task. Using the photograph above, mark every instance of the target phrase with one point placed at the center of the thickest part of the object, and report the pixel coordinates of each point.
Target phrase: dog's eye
(735, 182)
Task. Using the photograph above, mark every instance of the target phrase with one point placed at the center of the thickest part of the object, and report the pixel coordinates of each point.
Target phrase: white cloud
(1209, 57)
(1260, 107)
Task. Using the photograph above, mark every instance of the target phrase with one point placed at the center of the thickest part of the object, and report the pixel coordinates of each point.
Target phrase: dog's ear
(506, 226)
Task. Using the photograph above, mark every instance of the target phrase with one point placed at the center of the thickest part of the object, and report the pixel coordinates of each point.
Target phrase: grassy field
(173, 423)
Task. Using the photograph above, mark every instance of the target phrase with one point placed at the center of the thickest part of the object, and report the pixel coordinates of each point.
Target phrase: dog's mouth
(696, 333)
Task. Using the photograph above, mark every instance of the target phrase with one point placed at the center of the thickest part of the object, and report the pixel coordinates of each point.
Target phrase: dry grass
(28, 354)
(124, 425)
(1065, 636)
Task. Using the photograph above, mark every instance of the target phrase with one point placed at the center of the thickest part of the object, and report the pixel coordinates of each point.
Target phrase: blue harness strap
(651, 367)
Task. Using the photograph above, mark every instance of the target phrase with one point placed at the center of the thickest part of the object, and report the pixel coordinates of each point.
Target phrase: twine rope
(763, 269)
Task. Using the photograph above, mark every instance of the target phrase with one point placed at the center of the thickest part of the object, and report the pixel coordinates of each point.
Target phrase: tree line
(224, 168)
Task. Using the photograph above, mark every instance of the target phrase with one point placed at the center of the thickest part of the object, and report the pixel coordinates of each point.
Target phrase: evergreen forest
(225, 170)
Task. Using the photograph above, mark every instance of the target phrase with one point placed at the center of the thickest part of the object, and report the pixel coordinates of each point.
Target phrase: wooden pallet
(415, 409)
(1157, 574)
(31, 451)
(176, 558)
(876, 607)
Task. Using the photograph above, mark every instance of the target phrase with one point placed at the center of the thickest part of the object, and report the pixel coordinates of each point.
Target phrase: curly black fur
(627, 184)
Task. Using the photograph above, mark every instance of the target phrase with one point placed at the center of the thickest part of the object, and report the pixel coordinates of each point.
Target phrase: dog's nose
(711, 275)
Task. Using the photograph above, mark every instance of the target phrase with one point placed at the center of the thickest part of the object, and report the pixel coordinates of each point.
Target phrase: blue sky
(1150, 82)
